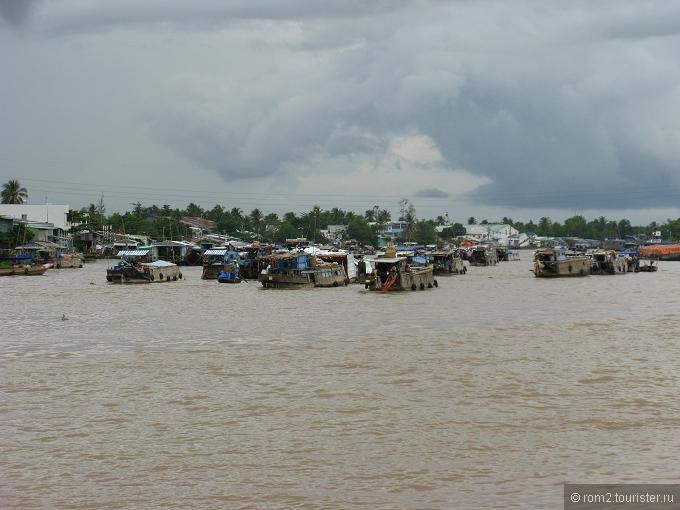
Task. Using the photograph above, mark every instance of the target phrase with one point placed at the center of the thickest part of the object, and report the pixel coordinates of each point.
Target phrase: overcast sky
(472, 107)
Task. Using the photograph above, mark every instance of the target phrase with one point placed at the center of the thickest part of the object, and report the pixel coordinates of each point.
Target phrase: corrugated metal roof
(132, 253)
(215, 252)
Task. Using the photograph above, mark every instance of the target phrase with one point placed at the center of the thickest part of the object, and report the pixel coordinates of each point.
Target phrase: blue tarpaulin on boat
(17, 258)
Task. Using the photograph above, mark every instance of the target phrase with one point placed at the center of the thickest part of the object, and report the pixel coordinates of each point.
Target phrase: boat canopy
(159, 263)
(132, 253)
(387, 260)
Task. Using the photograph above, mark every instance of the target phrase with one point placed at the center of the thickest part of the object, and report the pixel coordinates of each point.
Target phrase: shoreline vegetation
(164, 222)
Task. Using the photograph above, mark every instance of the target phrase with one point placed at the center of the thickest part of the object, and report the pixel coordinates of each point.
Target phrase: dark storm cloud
(554, 104)
(199, 14)
(16, 12)
(432, 193)
(550, 110)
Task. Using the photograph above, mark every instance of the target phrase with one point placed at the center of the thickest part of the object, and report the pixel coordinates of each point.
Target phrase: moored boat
(553, 262)
(134, 267)
(68, 260)
(648, 267)
(299, 270)
(218, 260)
(483, 255)
(23, 270)
(22, 264)
(447, 262)
(391, 272)
(608, 262)
(660, 251)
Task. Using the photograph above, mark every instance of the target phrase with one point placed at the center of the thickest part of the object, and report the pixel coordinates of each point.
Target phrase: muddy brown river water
(489, 392)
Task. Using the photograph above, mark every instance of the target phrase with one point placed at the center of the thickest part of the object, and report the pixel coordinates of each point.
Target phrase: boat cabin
(447, 262)
(294, 270)
(219, 260)
(395, 273)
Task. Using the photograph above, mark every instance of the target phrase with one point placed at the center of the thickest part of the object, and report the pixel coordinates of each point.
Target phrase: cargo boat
(300, 270)
(608, 262)
(447, 262)
(552, 262)
(135, 268)
(391, 272)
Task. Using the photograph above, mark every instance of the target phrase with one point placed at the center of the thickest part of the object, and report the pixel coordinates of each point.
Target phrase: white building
(57, 215)
(503, 234)
(396, 229)
(335, 232)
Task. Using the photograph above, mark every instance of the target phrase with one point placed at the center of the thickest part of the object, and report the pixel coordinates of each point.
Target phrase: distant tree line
(164, 223)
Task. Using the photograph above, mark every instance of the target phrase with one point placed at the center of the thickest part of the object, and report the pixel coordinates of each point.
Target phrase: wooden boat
(252, 260)
(133, 268)
(68, 260)
(345, 259)
(216, 261)
(23, 270)
(647, 268)
(299, 270)
(553, 262)
(483, 255)
(395, 273)
(21, 265)
(608, 262)
(511, 255)
(447, 262)
(660, 251)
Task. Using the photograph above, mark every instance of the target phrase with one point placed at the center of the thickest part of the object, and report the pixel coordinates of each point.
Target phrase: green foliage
(359, 229)
(18, 235)
(285, 231)
(455, 230)
(13, 193)
(424, 232)
(164, 223)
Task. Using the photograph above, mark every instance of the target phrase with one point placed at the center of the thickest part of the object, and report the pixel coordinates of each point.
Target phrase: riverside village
(319, 248)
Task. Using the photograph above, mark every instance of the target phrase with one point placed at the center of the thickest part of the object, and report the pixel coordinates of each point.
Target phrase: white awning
(132, 253)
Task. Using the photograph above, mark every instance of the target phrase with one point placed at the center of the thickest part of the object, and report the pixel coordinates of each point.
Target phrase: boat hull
(23, 271)
(406, 280)
(660, 251)
(129, 275)
(210, 272)
(575, 266)
(73, 261)
(447, 264)
(229, 280)
(307, 278)
(286, 281)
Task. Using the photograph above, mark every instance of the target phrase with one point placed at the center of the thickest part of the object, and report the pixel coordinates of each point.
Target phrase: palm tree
(13, 193)
(256, 220)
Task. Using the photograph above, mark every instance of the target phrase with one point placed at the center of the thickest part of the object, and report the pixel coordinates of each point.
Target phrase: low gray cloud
(552, 105)
(550, 120)
(431, 193)
(16, 12)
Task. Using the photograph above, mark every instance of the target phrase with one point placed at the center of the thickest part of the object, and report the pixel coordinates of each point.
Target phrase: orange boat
(660, 251)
